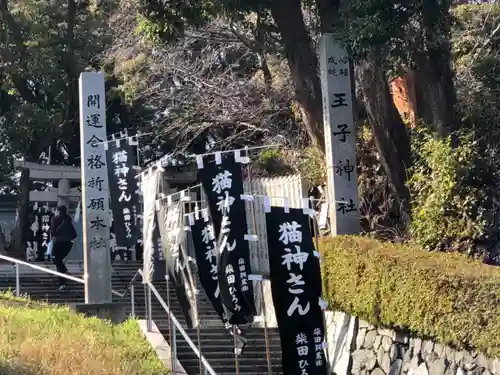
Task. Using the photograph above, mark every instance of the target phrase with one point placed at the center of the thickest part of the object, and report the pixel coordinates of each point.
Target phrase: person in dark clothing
(63, 233)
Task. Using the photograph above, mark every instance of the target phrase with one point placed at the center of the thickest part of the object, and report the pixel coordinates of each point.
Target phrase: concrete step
(45, 288)
(119, 270)
(225, 362)
(7, 268)
(217, 346)
(249, 333)
(216, 343)
(244, 370)
(192, 368)
(223, 341)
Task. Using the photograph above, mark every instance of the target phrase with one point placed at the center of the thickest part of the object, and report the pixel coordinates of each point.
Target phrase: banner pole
(236, 355)
(316, 240)
(198, 328)
(261, 283)
(172, 359)
(195, 290)
(138, 153)
(235, 336)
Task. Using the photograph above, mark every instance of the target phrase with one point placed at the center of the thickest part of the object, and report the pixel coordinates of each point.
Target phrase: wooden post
(95, 189)
(340, 136)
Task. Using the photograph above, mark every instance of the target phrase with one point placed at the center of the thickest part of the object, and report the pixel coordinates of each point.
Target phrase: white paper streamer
(255, 278)
(251, 237)
(323, 216)
(286, 205)
(267, 204)
(199, 161)
(133, 141)
(218, 158)
(322, 304)
(240, 159)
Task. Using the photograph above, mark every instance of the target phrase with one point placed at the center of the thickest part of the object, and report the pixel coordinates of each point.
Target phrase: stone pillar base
(113, 312)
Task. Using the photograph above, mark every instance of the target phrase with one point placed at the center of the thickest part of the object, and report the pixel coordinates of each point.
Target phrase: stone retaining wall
(358, 348)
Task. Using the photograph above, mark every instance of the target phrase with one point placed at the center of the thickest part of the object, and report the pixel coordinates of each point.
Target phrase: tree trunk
(69, 66)
(69, 130)
(436, 97)
(435, 91)
(21, 231)
(328, 11)
(390, 133)
(303, 64)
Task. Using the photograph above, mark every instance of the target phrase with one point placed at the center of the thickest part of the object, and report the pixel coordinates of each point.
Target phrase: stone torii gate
(64, 174)
(63, 194)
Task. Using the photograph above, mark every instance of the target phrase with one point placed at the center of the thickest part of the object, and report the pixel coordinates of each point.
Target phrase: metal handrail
(18, 263)
(130, 287)
(174, 320)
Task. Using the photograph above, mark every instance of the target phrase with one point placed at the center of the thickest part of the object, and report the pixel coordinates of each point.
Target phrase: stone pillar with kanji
(95, 190)
(340, 136)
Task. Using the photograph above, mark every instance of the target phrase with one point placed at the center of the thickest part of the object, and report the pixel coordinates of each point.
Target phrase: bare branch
(211, 85)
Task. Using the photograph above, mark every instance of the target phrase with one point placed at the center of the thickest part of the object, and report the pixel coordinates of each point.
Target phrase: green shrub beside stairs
(444, 296)
(39, 339)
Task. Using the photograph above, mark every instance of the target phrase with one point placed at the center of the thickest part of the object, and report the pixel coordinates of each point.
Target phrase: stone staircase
(216, 343)
(217, 348)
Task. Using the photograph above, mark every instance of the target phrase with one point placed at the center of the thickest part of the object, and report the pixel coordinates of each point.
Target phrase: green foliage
(449, 190)
(380, 212)
(168, 20)
(44, 47)
(272, 161)
(447, 297)
(397, 32)
(44, 339)
(149, 29)
(309, 163)
(455, 189)
(476, 47)
(312, 166)
(269, 154)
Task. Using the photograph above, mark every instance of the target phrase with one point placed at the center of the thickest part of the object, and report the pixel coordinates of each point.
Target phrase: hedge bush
(43, 339)
(444, 296)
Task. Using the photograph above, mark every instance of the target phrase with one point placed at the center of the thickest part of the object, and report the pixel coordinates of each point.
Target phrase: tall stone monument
(95, 192)
(340, 136)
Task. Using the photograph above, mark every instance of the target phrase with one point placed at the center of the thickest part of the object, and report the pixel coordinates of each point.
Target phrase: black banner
(223, 186)
(37, 242)
(32, 240)
(123, 193)
(118, 253)
(159, 270)
(44, 217)
(203, 237)
(296, 289)
(173, 234)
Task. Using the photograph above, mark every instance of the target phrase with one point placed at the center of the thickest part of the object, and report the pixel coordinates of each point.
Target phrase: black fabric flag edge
(176, 262)
(205, 248)
(123, 195)
(222, 181)
(295, 271)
